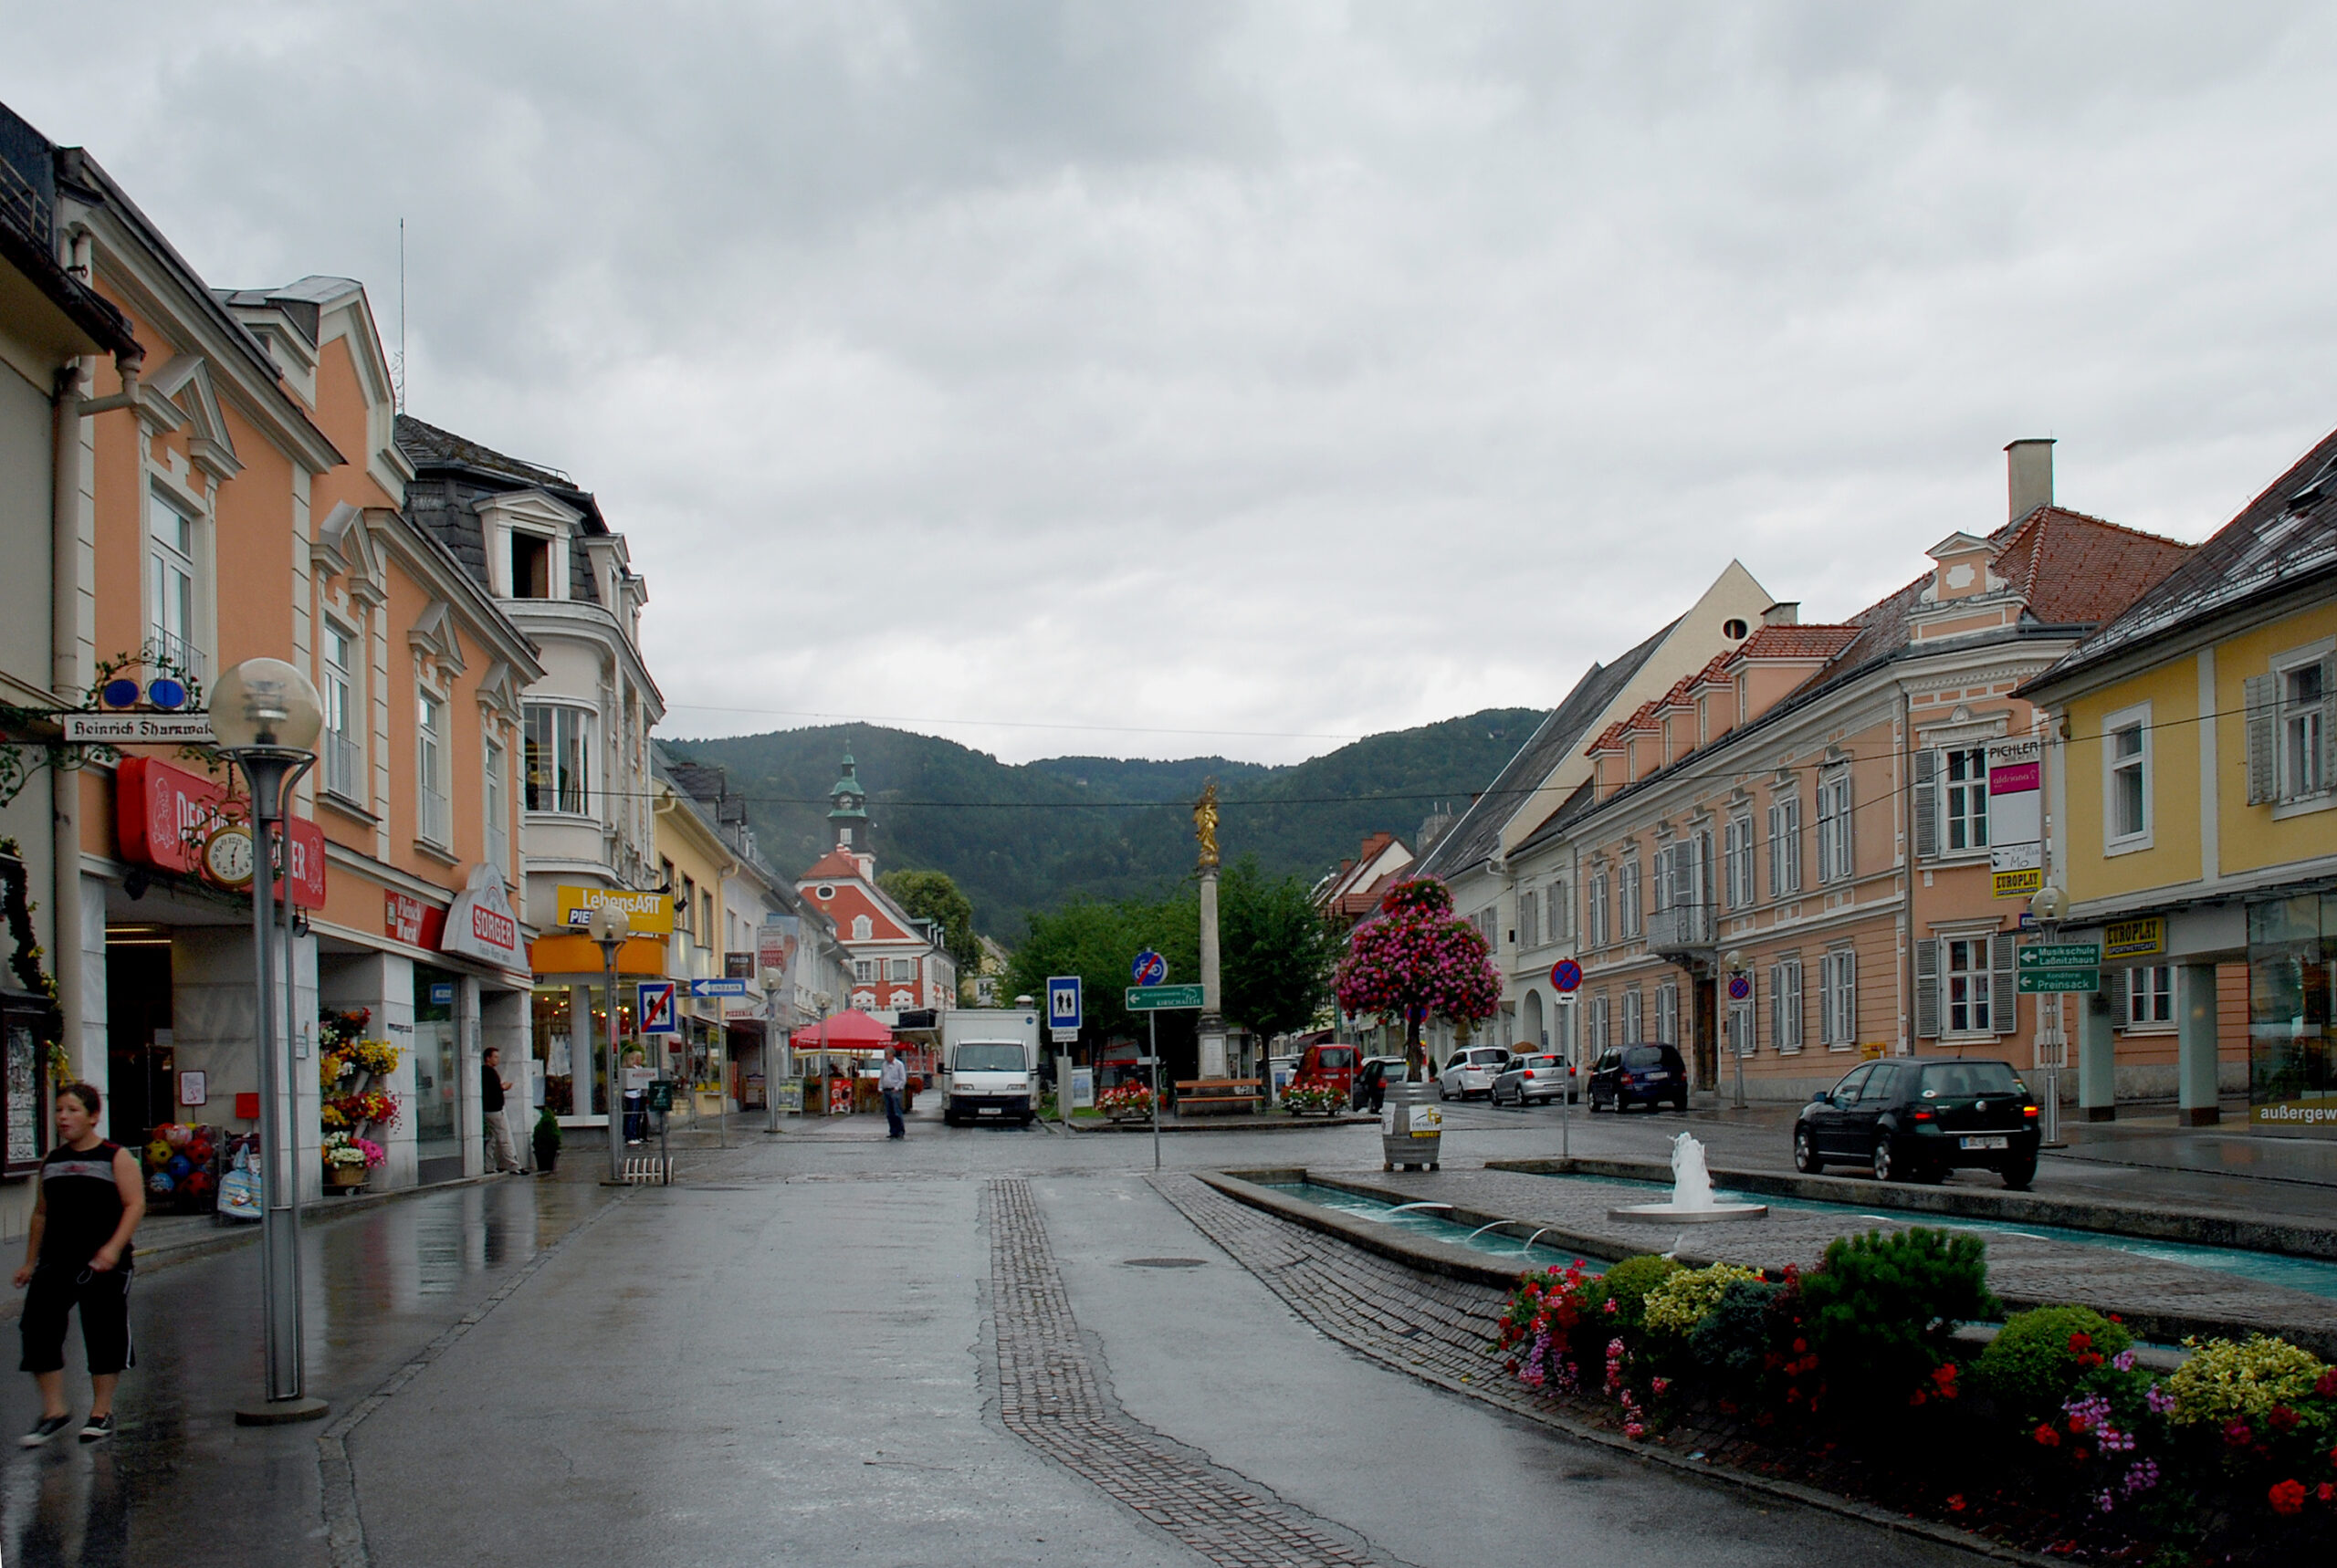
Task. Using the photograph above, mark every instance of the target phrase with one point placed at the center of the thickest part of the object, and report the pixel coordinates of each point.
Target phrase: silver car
(1471, 1072)
(1535, 1081)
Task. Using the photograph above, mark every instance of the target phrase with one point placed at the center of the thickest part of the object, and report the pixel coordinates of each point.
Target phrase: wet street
(978, 1345)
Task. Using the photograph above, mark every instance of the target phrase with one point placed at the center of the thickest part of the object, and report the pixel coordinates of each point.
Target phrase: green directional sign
(2063, 981)
(1163, 999)
(2060, 955)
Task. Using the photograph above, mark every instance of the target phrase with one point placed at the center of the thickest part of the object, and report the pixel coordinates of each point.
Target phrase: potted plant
(1301, 1098)
(1125, 1102)
(547, 1142)
(346, 1159)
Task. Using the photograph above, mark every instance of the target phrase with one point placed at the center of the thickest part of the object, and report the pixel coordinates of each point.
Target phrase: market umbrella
(853, 1031)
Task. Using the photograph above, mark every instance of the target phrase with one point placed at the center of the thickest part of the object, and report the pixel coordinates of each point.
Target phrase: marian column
(1212, 1019)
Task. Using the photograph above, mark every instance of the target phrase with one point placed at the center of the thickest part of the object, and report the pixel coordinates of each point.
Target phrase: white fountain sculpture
(1692, 1202)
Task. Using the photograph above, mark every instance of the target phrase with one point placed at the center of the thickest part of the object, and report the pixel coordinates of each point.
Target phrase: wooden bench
(1210, 1096)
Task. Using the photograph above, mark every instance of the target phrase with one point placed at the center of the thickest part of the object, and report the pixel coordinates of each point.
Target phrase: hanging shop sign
(166, 818)
(2015, 817)
(480, 925)
(651, 913)
(410, 920)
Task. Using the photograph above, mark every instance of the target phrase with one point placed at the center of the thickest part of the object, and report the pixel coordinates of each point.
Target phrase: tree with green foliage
(1098, 941)
(933, 895)
(1275, 954)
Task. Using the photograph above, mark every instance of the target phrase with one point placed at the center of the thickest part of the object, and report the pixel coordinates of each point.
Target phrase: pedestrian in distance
(893, 1081)
(78, 1254)
(492, 1087)
(636, 1114)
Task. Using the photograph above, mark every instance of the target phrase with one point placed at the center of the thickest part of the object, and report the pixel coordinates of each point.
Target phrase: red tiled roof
(835, 863)
(1810, 641)
(1609, 739)
(1714, 672)
(2076, 570)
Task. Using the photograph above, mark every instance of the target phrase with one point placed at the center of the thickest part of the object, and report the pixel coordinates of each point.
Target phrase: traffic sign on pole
(653, 1007)
(1064, 1003)
(1149, 968)
(1566, 975)
(1163, 999)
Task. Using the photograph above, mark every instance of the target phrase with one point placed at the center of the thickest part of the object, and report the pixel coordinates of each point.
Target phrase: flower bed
(1301, 1098)
(2053, 1439)
(1123, 1101)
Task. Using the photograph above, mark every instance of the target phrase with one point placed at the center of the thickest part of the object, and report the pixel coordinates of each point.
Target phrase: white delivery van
(990, 1065)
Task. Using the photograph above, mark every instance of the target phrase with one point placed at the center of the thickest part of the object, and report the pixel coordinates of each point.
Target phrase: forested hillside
(1041, 834)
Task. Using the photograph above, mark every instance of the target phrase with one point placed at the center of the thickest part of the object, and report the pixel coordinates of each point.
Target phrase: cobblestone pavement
(1050, 1395)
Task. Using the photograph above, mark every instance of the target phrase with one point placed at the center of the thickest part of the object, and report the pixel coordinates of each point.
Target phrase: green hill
(1041, 834)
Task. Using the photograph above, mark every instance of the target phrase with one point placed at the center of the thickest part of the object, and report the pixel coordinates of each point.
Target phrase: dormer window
(531, 566)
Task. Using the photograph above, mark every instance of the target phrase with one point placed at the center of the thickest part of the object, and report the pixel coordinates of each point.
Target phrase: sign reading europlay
(651, 913)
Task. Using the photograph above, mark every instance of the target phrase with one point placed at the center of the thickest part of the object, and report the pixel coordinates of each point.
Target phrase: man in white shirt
(893, 1081)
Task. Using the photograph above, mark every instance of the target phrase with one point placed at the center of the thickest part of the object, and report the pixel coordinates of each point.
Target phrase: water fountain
(1692, 1193)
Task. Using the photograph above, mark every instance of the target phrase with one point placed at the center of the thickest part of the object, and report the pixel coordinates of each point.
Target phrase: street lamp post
(610, 928)
(267, 717)
(1732, 966)
(2051, 905)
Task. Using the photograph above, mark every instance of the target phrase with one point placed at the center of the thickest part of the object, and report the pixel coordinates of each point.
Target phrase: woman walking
(78, 1254)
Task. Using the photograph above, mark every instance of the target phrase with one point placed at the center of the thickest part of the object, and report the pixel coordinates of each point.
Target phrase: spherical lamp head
(2050, 905)
(265, 703)
(610, 923)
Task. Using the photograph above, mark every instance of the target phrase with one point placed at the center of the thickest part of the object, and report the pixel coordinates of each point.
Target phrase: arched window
(862, 929)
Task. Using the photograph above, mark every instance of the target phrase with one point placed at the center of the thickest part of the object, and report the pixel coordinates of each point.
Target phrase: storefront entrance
(139, 1059)
(437, 1057)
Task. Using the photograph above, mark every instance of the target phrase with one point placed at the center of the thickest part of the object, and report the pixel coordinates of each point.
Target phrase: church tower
(848, 810)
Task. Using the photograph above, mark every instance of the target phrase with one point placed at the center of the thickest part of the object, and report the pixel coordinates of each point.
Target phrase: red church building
(898, 961)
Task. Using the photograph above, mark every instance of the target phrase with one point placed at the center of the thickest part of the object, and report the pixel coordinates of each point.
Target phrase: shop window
(2150, 996)
(554, 1045)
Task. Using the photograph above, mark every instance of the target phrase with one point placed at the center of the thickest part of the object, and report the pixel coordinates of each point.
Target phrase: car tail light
(2028, 1110)
(1923, 1115)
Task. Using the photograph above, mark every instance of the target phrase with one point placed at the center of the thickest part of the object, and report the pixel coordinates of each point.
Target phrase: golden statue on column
(1205, 824)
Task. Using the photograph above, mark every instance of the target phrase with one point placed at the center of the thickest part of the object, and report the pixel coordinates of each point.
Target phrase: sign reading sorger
(480, 925)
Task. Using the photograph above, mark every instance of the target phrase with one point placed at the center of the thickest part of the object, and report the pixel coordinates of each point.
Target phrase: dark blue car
(1647, 1073)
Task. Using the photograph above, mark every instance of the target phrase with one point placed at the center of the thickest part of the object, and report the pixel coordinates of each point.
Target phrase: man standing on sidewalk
(492, 1087)
(895, 1082)
(77, 1253)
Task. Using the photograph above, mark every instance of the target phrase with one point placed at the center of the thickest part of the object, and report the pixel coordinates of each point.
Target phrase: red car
(1330, 1067)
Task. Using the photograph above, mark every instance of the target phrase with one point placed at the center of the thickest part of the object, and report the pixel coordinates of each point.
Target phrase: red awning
(854, 1029)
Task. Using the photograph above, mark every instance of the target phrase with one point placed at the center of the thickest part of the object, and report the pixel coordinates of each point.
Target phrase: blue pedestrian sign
(1566, 975)
(1149, 968)
(1063, 1003)
(653, 1007)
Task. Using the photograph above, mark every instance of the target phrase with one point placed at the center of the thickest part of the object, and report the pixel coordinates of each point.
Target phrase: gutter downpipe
(66, 681)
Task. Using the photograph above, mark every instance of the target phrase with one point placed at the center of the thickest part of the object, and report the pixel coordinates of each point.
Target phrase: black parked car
(1371, 1080)
(1917, 1118)
(1649, 1073)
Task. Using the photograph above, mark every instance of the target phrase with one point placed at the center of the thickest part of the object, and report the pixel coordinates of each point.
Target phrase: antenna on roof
(397, 374)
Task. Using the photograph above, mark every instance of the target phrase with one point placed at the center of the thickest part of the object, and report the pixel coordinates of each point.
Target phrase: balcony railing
(344, 767)
(1679, 928)
(171, 649)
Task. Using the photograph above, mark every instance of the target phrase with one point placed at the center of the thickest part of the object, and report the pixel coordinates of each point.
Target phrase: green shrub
(2037, 1361)
(1627, 1285)
(2224, 1382)
(1732, 1340)
(547, 1129)
(1877, 1313)
(1679, 1303)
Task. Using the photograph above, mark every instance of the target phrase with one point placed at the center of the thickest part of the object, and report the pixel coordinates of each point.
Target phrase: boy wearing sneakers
(78, 1254)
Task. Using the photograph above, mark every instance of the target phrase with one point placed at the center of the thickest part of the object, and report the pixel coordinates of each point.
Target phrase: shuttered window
(2150, 996)
(1528, 906)
(1835, 863)
(1667, 1012)
(1627, 899)
(1785, 846)
(1838, 998)
(1599, 909)
(1633, 1020)
(1736, 858)
(1785, 1004)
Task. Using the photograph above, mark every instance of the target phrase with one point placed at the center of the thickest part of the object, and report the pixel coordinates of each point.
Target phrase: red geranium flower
(2048, 1436)
(2286, 1496)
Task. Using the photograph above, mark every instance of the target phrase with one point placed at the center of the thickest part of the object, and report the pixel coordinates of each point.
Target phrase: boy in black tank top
(78, 1254)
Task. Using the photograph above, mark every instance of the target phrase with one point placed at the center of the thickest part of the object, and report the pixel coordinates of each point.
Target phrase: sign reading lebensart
(651, 913)
(2016, 817)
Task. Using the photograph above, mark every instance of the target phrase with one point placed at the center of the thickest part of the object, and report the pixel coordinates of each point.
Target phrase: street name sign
(1162, 999)
(722, 987)
(137, 728)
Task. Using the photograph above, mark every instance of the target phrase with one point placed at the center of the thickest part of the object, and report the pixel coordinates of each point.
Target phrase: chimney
(2028, 475)
(1784, 613)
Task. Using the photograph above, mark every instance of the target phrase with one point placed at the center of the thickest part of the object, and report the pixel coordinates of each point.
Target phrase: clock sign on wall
(228, 858)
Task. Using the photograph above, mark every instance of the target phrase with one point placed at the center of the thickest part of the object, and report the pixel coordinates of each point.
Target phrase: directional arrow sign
(2060, 955)
(2061, 981)
(1163, 999)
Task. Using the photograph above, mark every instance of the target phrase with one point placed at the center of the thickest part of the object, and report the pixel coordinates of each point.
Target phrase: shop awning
(846, 1029)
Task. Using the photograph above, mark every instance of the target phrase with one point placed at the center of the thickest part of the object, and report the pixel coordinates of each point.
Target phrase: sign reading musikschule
(162, 815)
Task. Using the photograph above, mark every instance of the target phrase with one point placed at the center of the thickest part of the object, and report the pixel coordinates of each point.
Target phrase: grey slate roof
(453, 473)
(1477, 833)
(2285, 536)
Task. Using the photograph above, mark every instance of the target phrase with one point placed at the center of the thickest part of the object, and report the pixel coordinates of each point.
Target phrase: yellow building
(2194, 819)
(694, 862)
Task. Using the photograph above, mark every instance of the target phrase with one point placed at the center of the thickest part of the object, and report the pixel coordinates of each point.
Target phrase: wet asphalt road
(786, 1360)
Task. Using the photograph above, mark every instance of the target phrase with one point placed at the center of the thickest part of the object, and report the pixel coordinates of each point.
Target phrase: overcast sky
(1280, 371)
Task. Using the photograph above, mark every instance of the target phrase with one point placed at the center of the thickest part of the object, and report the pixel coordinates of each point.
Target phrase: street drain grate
(1167, 1263)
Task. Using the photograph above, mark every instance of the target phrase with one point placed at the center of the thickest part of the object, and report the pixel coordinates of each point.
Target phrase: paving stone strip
(1051, 1395)
(1440, 1330)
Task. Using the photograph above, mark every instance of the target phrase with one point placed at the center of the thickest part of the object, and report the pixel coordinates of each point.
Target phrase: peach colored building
(238, 493)
(1809, 817)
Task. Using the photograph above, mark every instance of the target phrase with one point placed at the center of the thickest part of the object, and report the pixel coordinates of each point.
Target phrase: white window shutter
(1777, 849)
(1926, 804)
(1846, 854)
(2262, 693)
(2004, 1005)
(2329, 722)
(1927, 987)
(1777, 1008)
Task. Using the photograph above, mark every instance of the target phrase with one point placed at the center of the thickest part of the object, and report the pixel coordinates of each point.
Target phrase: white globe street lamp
(610, 927)
(266, 716)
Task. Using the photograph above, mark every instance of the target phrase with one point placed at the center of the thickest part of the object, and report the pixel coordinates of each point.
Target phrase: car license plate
(992, 1110)
(1657, 1077)
(1982, 1143)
